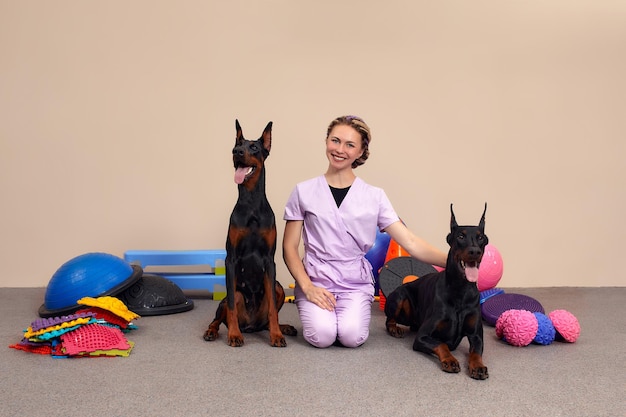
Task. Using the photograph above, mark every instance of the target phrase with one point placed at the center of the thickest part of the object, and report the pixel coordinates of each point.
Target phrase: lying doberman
(444, 306)
(253, 296)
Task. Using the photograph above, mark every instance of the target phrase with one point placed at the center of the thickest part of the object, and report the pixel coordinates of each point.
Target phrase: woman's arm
(415, 246)
(291, 253)
(291, 256)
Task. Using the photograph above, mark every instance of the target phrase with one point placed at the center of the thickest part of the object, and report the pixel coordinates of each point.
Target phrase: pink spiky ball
(502, 320)
(517, 327)
(566, 325)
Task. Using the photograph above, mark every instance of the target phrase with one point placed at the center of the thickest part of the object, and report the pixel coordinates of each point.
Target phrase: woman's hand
(320, 296)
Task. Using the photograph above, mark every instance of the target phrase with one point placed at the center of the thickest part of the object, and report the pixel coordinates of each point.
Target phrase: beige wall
(117, 120)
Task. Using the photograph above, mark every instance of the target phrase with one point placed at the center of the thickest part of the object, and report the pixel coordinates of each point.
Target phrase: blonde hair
(360, 126)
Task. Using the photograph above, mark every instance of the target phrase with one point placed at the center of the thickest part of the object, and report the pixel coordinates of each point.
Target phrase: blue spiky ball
(545, 330)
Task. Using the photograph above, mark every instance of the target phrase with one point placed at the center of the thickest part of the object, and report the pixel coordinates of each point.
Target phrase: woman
(338, 214)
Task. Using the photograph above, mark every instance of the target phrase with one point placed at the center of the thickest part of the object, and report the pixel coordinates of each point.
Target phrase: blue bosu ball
(88, 275)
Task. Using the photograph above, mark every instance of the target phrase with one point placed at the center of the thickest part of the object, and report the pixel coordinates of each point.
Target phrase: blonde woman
(337, 215)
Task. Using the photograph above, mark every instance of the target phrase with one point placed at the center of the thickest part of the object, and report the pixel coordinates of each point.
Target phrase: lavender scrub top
(336, 239)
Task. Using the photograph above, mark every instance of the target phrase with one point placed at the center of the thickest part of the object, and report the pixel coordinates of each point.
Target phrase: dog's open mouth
(241, 173)
(471, 270)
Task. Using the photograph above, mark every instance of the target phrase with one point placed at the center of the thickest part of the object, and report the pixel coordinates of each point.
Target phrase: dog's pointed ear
(481, 225)
(239, 136)
(453, 223)
(267, 138)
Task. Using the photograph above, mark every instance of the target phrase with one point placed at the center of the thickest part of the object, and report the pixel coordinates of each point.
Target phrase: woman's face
(343, 146)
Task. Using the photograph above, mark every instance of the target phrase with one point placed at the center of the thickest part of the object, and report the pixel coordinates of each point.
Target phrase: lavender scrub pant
(348, 324)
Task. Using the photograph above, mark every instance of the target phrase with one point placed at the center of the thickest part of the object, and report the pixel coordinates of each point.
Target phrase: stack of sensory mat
(97, 330)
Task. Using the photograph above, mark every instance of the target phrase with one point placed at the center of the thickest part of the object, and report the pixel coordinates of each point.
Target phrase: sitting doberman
(253, 295)
(444, 306)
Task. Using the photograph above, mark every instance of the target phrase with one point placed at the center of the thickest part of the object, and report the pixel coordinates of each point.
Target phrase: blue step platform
(189, 269)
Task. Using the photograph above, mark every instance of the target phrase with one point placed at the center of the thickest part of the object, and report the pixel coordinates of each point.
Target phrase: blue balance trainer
(89, 275)
(188, 269)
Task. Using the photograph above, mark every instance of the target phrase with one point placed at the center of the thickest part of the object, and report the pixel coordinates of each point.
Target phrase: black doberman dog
(253, 295)
(444, 307)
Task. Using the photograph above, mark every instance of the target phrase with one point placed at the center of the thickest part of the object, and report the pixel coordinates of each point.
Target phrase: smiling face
(344, 145)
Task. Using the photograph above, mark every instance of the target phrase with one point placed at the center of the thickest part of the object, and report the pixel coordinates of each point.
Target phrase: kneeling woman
(337, 215)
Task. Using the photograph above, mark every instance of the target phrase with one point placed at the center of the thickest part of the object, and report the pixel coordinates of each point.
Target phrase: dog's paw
(450, 365)
(278, 341)
(479, 373)
(395, 331)
(210, 335)
(235, 341)
(477, 368)
(288, 330)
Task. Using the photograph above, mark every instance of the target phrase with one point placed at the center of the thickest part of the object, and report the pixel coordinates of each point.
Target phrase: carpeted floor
(172, 371)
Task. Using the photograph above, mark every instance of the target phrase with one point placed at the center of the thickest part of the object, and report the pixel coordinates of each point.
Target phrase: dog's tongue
(240, 174)
(471, 273)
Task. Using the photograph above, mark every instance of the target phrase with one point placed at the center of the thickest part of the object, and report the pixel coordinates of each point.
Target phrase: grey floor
(172, 371)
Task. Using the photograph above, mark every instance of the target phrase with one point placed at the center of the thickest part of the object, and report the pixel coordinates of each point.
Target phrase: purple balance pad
(498, 304)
